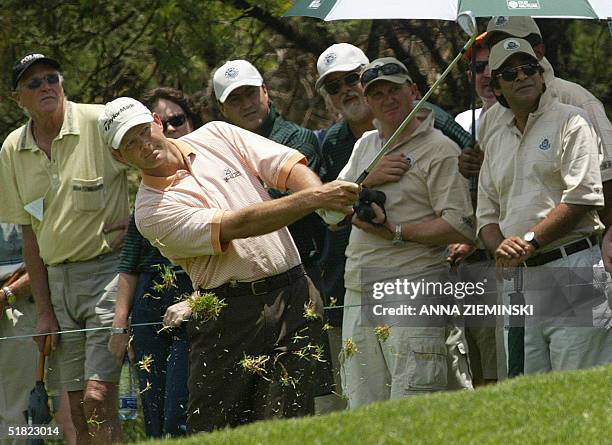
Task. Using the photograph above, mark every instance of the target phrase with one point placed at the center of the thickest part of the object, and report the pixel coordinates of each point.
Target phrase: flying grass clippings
(350, 348)
(206, 306)
(145, 363)
(310, 312)
(382, 332)
(256, 365)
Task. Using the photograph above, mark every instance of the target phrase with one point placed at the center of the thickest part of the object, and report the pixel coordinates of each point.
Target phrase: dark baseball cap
(22, 65)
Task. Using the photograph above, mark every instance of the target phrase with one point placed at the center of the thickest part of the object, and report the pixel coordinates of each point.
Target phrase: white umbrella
(449, 9)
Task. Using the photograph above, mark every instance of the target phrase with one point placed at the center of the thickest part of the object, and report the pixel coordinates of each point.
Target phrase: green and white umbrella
(449, 9)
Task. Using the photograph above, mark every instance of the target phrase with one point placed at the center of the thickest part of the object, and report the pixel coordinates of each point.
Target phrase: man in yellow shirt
(60, 183)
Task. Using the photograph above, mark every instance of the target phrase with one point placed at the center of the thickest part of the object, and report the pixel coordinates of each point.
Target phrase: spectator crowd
(239, 284)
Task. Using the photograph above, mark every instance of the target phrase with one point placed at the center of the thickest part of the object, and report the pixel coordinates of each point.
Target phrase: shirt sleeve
(603, 128)
(580, 164)
(271, 161)
(176, 229)
(306, 142)
(12, 206)
(352, 170)
(487, 210)
(132, 246)
(449, 195)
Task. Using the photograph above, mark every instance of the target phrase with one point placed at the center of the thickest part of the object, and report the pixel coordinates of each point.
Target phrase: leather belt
(552, 255)
(258, 287)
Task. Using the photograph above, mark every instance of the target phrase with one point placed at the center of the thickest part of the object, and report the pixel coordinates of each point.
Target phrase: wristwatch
(397, 236)
(530, 238)
(115, 330)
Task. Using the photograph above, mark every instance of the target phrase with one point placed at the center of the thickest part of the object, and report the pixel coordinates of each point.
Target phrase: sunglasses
(480, 66)
(388, 69)
(510, 74)
(36, 82)
(334, 87)
(176, 121)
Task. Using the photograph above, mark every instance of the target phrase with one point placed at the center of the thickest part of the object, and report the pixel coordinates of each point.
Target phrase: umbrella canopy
(449, 9)
(38, 408)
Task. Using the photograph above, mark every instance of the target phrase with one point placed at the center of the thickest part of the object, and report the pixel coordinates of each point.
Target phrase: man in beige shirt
(570, 93)
(539, 191)
(203, 203)
(64, 188)
(430, 207)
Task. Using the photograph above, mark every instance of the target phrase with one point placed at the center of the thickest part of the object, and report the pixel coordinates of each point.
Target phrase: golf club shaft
(389, 144)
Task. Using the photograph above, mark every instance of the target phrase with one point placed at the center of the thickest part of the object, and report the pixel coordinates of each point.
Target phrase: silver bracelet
(115, 330)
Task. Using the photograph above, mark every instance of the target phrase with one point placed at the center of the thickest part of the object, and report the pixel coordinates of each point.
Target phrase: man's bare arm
(561, 220)
(272, 215)
(491, 236)
(46, 320)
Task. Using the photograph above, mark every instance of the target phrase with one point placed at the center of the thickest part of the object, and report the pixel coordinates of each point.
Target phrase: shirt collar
(164, 183)
(546, 101)
(426, 118)
(70, 125)
(549, 72)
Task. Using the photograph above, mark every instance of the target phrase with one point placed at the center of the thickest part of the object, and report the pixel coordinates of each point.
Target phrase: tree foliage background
(113, 48)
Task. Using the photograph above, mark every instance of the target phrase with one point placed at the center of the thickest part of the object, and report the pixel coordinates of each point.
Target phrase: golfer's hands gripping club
(335, 200)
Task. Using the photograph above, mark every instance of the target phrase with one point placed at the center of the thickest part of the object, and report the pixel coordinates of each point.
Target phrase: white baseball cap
(234, 74)
(119, 116)
(339, 57)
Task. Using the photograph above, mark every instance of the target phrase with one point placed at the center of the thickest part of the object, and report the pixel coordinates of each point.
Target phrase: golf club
(467, 22)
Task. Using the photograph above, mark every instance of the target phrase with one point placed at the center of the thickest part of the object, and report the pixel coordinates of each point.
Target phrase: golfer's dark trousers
(264, 320)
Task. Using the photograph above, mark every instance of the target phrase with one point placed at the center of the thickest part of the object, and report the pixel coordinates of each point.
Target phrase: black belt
(555, 254)
(258, 287)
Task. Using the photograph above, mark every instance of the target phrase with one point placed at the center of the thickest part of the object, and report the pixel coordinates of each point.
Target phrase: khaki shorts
(83, 295)
(412, 361)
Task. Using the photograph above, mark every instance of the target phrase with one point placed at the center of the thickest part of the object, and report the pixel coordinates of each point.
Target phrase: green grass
(556, 408)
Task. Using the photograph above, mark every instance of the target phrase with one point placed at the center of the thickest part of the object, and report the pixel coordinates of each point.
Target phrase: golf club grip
(40, 371)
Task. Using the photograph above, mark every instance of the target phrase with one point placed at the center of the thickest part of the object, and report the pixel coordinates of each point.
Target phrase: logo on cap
(231, 73)
(330, 58)
(31, 57)
(501, 20)
(545, 144)
(314, 4)
(511, 45)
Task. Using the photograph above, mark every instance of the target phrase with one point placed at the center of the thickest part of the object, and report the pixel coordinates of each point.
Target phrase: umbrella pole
(473, 179)
(40, 370)
(389, 144)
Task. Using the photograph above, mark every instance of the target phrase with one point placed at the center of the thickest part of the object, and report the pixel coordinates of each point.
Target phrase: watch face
(529, 236)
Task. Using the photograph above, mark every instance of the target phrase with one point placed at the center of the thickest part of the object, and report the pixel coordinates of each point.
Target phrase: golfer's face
(142, 147)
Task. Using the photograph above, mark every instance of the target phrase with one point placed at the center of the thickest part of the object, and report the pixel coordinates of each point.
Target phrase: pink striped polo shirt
(181, 214)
